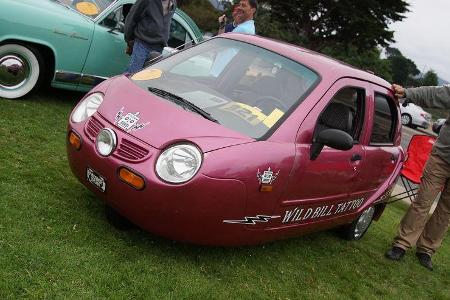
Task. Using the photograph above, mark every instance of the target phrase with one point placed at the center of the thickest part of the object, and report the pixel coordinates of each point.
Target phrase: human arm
(222, 22)
(429, 96)
(133, 18)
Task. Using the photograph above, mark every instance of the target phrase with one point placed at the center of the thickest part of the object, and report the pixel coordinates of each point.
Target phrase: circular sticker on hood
(147, 74)
(87, 8)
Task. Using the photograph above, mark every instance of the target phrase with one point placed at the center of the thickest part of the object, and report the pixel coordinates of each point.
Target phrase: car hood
(52, 7)
(159, 122)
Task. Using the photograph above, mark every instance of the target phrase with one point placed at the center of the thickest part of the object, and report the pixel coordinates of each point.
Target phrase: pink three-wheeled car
(240, 140)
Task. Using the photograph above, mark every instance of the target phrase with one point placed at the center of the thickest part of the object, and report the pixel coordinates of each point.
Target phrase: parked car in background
(437, 125)
(414, 116)
(71, 44)
(240, 140)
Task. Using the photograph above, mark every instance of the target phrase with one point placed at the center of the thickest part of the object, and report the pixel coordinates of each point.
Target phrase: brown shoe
(425, 260)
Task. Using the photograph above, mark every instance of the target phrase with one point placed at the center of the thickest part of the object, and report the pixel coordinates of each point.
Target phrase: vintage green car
(71, 44)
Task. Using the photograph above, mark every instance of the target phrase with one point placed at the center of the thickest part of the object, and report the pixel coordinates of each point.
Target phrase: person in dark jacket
(147, 29)
(416, 228)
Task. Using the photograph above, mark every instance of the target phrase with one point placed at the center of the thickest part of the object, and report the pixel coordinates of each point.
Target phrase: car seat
(336, 116)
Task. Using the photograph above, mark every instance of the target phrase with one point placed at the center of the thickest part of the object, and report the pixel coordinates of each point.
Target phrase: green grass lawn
(56, 243)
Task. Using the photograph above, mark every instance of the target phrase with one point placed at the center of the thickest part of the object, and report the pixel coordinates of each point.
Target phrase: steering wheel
(268, 103)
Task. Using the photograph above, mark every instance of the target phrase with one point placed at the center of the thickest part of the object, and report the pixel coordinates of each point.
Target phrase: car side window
(179, 37)
(116, 19)
(385, 120)
(344, 112)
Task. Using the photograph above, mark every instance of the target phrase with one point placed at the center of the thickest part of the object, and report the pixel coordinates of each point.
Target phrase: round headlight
(106, 141)
(87, 107)
(179, 163)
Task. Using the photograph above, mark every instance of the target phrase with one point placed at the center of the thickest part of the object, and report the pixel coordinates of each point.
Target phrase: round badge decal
(147, 74)
(87, 8)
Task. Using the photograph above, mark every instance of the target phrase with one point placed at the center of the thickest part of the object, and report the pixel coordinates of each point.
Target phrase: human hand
(129, 49)
(399, 91)
(222, 19)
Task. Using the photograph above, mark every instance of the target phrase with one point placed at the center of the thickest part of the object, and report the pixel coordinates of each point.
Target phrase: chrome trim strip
(67, 77)
(91, 79)
(77, 78)
(107, 9)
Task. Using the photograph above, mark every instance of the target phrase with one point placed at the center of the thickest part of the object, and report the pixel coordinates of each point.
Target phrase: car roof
(330, 69)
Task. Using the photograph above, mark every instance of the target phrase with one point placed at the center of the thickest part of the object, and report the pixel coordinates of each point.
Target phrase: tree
(317, 24)
(203, 13)
(368, 60)
(430, 78)
(404, 70)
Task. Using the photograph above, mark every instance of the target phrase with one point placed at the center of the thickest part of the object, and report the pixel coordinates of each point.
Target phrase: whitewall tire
(19, 70)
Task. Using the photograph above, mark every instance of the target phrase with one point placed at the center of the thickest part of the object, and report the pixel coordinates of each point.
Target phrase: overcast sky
(424, 35)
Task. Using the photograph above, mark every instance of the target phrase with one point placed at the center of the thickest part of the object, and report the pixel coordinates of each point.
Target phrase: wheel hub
(405, 120)
(14, 71)
(364, 221)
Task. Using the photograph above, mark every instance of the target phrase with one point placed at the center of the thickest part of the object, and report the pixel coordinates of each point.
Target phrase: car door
(107, 55)
(382, 144)
(325, 187)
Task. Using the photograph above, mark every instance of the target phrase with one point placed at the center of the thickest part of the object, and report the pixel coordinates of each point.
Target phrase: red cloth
(419, 150)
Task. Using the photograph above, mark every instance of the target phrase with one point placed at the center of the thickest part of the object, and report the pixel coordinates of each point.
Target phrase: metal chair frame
(411, 187)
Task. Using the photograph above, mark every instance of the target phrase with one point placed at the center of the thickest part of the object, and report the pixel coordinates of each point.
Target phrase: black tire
(21, 68)
(358, 228)
(406, 120)
(117, 220)
(438, 129)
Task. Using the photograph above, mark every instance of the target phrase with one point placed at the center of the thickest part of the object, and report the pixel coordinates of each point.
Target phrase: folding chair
(419, 150)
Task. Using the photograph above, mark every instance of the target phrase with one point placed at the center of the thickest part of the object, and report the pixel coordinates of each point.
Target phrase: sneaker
(395, 253)
(425, 260)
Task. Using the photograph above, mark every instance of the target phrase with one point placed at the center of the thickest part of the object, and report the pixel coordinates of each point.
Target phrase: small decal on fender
(252, 220)
(267, 177)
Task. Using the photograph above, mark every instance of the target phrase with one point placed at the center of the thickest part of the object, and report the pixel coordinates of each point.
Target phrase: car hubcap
(405, 120)
(14, 71)
(364, 222)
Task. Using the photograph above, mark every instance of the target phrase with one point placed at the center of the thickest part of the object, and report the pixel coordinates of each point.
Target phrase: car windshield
(241, 86)
(90, 8)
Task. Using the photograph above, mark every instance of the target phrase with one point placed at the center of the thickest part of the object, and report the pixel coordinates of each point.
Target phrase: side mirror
(334, 138)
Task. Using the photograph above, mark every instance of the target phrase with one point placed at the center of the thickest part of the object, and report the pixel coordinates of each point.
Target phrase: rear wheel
(357, 229)
(406, 120)
(19, 70)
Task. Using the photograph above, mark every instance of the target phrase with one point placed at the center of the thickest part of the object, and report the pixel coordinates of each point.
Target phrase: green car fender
(64, 33)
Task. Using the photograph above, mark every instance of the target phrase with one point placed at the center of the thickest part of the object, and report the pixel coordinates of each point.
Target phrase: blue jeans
(140, 54)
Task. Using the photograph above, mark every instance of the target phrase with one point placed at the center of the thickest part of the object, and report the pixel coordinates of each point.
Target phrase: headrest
(337, 116)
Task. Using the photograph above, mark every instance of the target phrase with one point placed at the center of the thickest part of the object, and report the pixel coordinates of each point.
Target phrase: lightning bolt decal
(252, 220)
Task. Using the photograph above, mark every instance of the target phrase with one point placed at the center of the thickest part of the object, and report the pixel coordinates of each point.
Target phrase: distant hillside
(442, 81)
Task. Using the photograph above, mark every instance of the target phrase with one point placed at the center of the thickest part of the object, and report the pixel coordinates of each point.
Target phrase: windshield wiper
(168, 95)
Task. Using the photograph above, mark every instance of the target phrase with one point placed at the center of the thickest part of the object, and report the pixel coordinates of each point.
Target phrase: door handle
(113, 31)
(356, 157)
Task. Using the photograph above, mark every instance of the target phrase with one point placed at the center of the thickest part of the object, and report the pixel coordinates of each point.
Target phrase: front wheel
(357, 229)
(19, 70)
(406, 120)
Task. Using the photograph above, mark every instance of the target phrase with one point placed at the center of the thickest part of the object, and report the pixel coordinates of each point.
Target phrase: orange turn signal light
(75, 140)
(265, 188)
(132, 178)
